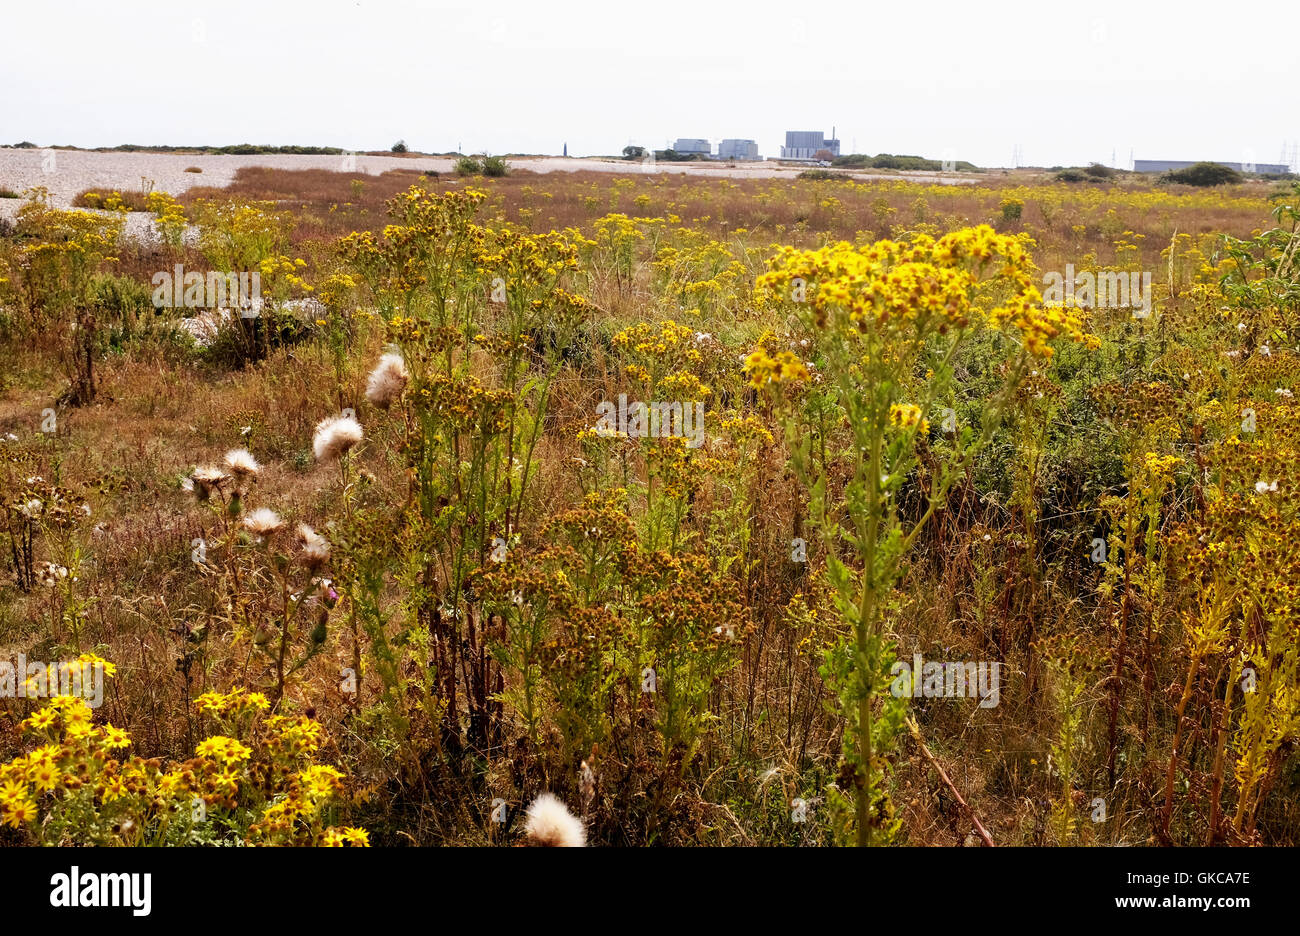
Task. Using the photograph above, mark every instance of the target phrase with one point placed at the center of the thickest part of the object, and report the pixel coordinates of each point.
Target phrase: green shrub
(671, 155)
(492, 166)
(495, 166)
(1203, 175)
(120, 298)
(905, 163)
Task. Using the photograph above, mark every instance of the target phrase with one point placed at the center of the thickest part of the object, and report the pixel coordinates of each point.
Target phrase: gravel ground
(67, 172)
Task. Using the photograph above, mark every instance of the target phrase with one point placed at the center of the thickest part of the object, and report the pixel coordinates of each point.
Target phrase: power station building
(1165, 165)
(806, 144)
(738, 149)
(692, 147)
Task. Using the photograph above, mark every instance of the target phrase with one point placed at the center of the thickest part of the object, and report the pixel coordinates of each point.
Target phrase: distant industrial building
(1165, 165)
(738, 149)
(806, 144)
(692, 147)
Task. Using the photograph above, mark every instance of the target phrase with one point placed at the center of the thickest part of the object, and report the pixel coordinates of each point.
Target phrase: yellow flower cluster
(683, 385)
(293, 736)
(334, 288)
(764, 369)
(51, 766)
(907, 415)
(74, 788)
(235, 703)
(467, 403)
(169, 216)
(434, 235)
(240, 235)
(517, 256)
(83, 237)
(225, 750)
(925, 284)
(647, 339)
(347, 836)
(669, 358)
(618, 231)
(747, 430)
(1161, 466)
(287, 267)
(90, 659)
(1039, 324)
(310, 790)
(16, 805)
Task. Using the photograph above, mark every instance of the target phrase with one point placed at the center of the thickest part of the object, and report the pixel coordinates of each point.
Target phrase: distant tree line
(1093, 172)
(890, 161)
(1201, 175)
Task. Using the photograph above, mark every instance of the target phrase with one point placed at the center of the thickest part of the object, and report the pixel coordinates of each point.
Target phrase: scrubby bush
(1203, 175)
(111, 200)
(494, 167)
(490, 166)
(906, 163)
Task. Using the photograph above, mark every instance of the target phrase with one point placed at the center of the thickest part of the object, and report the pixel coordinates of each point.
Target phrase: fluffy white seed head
(49, 574)
(263, 521)
(315, 548)
(336, 435)
(550, 823)
(242, 464)
(205, 481)
(387, 380)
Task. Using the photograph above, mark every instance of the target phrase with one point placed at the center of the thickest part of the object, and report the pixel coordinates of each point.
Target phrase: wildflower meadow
(645, 509)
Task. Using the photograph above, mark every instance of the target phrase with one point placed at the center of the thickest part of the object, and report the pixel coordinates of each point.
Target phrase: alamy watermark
(1104, 290)
(654, 420)
(952, 680)
(35, 680)
(88, 889)
(213, 290)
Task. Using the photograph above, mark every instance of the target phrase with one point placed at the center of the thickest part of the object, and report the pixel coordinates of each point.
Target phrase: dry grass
(131, 199)
(1067, 221)
(161, 411)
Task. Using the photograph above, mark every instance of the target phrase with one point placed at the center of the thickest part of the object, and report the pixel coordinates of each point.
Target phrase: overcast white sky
(1068, 83)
